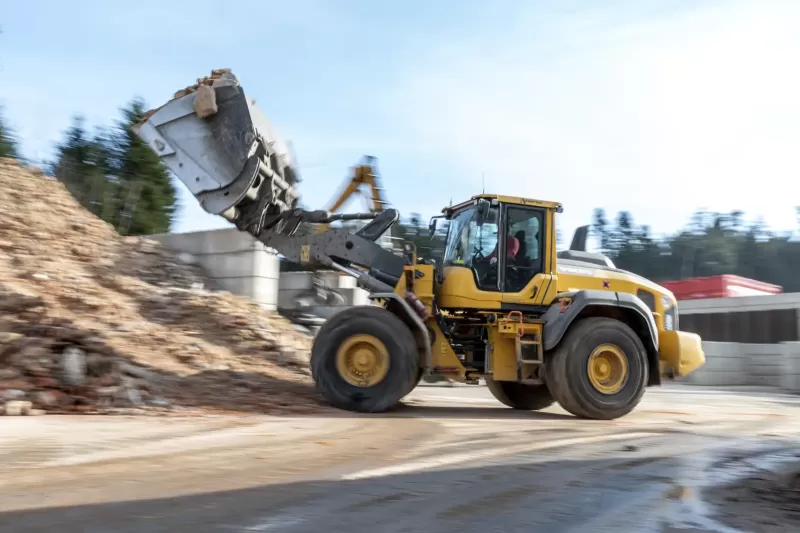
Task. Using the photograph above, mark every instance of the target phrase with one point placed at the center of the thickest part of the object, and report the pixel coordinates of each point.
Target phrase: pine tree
(8, 141)
(600, 228)
(147, 198)
(81, 165)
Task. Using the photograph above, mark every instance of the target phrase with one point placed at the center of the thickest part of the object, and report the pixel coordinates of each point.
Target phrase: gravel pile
(94, 322)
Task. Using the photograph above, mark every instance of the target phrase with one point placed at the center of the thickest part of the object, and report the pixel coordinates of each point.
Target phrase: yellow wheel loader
(538, 326)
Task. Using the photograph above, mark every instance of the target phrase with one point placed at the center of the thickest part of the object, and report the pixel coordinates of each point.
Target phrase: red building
(724, 286)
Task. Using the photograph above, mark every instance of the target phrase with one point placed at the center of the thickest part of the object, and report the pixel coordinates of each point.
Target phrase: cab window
(525, 235)
(475, 247)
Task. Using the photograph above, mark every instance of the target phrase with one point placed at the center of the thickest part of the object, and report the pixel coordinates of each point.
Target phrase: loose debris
(207, 104)
(94, 322)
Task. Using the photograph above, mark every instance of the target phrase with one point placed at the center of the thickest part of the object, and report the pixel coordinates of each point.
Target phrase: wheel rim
(362, 360)
(608, 369)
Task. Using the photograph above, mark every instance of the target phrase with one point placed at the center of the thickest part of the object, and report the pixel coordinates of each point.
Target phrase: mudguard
(559, 316)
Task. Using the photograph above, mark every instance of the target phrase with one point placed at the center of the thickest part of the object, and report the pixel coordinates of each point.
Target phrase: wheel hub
(608, 369)
(362, 360)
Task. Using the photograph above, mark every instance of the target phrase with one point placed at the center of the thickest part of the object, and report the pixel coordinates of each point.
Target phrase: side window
(526, 233)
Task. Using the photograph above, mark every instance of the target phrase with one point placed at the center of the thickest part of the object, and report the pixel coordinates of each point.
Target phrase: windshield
(466, 241)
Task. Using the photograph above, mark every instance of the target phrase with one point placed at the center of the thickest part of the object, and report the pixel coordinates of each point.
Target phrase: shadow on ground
(624, 494)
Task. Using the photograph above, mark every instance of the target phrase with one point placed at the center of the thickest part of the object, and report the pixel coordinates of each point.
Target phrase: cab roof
(517, 200)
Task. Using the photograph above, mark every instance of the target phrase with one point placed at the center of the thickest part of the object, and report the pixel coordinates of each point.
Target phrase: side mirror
(483, 212)
(432, 227)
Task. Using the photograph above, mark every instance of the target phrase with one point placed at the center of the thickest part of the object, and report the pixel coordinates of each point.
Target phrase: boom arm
(220, 145)
(364, 174)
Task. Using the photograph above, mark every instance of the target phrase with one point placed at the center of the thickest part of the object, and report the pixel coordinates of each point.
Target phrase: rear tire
(608, 386)
(394, 345)
(520, 396)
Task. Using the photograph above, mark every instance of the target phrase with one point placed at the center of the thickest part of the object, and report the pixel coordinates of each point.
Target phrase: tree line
(710, 244)
(117, 177)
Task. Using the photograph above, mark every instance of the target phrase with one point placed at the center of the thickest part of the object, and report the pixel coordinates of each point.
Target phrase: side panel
(503, 359)
(443, 359)
(569, 307)
(424, 284)
(458, 291)
(516, 349)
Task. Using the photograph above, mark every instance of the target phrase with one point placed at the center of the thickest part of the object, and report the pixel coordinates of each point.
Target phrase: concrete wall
(788, 300)
(234, 259)
(790, 377)
(295, 284)
(763, 319)
(735, 364)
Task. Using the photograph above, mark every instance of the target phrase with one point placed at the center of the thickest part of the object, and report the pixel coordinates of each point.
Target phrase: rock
(73, 366)
(99, 365)
(17, 408)
(47, 398)
(133, 396)
(15, 298)
(12, 394)
(9, 373)
(158, 401)
(20, 384)
(45, 383)
(205, 103)
(6, 337)
(41, 277)
(136, 371)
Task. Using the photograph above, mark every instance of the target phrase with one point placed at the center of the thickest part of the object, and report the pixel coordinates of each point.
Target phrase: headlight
(670, 313)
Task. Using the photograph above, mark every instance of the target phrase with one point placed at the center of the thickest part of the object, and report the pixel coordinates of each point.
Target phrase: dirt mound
(91, 321)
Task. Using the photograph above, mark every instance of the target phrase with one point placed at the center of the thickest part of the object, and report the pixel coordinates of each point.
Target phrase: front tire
(599, 370)
(520, 396)
(364, 359)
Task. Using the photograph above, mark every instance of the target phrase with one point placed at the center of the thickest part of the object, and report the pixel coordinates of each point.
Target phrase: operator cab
(494, 245)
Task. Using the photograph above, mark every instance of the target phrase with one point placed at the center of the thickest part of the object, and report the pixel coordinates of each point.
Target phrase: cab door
(527, 272)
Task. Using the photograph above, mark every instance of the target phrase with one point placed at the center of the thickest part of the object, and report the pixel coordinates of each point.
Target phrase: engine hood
(572, 270)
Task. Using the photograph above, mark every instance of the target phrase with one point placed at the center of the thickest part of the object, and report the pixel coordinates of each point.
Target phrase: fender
(583, 302)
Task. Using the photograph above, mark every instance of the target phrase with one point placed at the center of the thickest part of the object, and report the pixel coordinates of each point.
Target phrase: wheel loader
(539, 327)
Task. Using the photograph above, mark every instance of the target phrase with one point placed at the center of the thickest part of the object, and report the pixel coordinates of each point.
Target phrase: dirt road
(432, 466)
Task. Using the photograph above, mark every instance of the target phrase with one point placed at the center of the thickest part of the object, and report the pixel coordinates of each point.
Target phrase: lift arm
(219, 144)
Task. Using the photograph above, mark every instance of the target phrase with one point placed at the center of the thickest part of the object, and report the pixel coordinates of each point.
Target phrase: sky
(659, 108)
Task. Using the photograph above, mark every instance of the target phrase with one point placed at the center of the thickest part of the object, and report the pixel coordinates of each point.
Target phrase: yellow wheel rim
(608, 369)
(362, 360)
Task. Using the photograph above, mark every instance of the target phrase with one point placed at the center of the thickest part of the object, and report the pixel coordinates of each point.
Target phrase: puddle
(742, 491)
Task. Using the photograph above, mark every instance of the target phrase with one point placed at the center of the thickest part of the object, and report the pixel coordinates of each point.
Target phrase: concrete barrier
(737, 364)
(233, 259)
(726, 364)
(790, 378)
(239, 263)
(345, 292)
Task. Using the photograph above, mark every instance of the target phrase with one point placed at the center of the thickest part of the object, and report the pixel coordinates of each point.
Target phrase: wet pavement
(452, 459)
